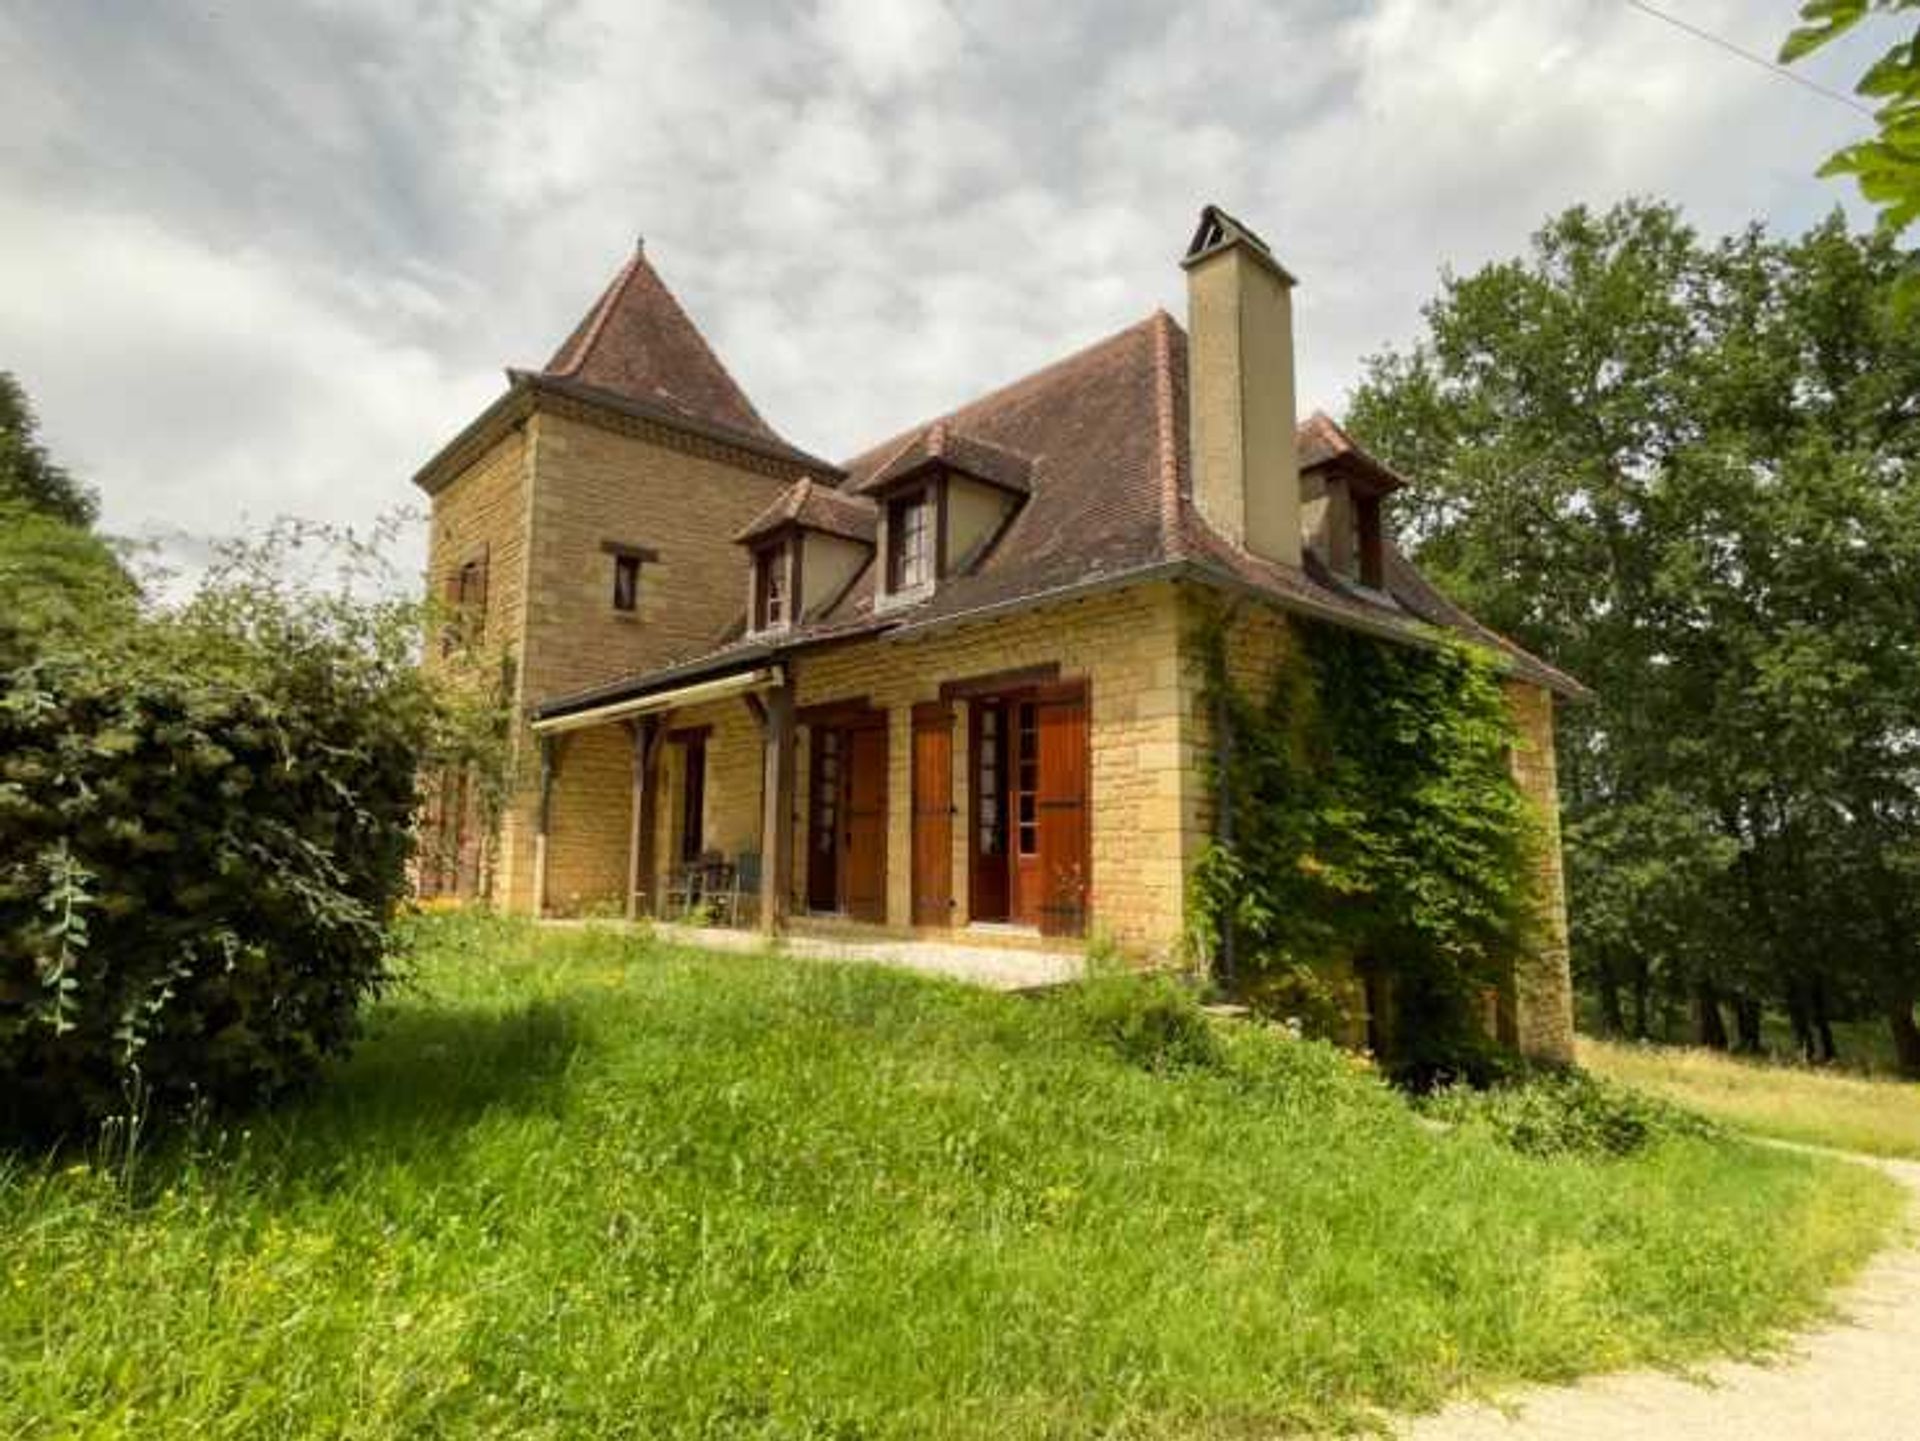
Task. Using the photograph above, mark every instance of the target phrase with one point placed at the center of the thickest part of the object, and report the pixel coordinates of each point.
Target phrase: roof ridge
(609, 300)
(700, 339)
(1166, 424)
(1001, 392)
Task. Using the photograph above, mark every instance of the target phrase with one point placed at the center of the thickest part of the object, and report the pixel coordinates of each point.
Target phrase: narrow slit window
(626, 582)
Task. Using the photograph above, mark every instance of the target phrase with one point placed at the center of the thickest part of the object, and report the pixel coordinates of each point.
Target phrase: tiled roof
(1108, 501)
(1322, 442)
(942, 444)
(637, 342)
(814, 506)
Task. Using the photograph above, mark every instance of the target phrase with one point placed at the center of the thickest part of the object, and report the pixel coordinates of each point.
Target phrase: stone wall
(597, 479)
(1125, 645)
(1535, 1011)
(482, 512)
(1542, 987)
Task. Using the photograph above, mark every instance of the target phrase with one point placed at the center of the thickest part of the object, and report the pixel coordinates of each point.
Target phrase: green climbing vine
(1369, 817)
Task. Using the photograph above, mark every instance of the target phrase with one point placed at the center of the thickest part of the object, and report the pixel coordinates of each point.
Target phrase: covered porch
(1015, 786)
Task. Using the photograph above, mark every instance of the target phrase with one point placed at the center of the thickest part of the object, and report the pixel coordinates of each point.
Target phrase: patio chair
(744, 885)
(692, 883)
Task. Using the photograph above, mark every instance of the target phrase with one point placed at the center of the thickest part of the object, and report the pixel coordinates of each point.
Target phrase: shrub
(204, 829)
(1565, 1113)
(1151, 1021)
(1375, 819)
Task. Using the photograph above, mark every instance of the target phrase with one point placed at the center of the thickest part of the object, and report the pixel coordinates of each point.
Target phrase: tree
(58, 579)
(1887, 167)
(27, 474)
(1690, 471)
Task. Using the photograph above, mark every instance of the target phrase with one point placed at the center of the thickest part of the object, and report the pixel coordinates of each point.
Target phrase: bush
(1566, 1113)
(204, 830)
(1150, 1021)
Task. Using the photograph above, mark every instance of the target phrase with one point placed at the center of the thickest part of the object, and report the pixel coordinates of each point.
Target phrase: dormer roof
(942, 444)
(1321, 443)
(809, 505)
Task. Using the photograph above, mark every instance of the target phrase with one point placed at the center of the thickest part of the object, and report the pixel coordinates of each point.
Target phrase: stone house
(947, 687)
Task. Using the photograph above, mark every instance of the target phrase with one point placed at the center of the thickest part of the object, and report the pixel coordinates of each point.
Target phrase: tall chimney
(1246, 474)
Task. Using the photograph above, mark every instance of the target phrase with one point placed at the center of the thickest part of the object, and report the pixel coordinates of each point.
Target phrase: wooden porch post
(647, 733)
(776, 808)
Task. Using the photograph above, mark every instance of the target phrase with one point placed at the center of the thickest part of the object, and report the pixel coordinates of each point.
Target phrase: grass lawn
(1855, 1113)
(580, 1185)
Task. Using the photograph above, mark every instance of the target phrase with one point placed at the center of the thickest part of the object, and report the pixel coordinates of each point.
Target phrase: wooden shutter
(1062, 807)
(932, 815)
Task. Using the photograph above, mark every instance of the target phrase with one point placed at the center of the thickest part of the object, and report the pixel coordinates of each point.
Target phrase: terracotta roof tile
(942, 444)
(1103, 439)
(1322, 442)
(637, 342)
(814, 506)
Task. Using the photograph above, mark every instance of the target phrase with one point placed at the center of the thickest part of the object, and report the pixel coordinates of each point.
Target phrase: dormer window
(772, 602)
(910, 542)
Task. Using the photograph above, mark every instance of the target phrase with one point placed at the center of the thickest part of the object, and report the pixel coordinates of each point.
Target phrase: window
(626, 582)
(1028, 787)
(466, 605)
(693, 797)
(770, 600)
(992, 820)
(909, 542)
(627, 560)
(826, 791)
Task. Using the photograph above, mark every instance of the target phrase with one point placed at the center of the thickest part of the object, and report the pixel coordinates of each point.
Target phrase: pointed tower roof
(637, 342)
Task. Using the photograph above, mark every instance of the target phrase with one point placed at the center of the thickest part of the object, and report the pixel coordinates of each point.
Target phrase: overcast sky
(261, 259)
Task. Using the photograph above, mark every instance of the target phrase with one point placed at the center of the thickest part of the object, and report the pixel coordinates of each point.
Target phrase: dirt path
(1857, 1378)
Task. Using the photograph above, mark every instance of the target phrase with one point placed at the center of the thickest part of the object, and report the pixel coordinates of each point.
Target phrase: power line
(1745, 54)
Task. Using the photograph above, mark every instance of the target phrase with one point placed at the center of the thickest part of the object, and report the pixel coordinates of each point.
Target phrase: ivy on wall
(1368, 816)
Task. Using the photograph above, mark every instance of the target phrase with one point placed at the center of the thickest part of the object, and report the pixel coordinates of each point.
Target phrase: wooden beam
(776, 809)
(646, 732)
(834, 711)
(1001, 680)
(550, 751)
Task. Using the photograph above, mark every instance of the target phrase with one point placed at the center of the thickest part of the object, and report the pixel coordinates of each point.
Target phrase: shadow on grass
(425, 1070)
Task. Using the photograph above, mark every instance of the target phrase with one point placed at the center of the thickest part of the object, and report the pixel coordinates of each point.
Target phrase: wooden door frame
(845, 718)
(1011, 689)
(817, 732)
(976, 708)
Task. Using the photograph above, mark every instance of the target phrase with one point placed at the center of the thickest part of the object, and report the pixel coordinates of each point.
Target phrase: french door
(1029, 847)
(847, 818)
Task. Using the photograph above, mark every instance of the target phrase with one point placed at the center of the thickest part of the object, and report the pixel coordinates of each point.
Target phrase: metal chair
(744, 884)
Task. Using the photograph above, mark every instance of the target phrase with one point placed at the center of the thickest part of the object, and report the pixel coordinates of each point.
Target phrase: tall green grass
(580, 1185)
(1880, 1116)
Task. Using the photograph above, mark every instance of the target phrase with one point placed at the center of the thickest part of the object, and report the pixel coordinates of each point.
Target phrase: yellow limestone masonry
(543, 501)
(1536, 1009)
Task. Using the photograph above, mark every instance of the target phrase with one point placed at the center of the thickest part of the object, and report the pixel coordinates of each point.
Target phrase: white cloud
(267, 260)
(210, 388)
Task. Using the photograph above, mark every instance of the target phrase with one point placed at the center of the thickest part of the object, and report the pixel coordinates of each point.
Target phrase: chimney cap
(1218, 231)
